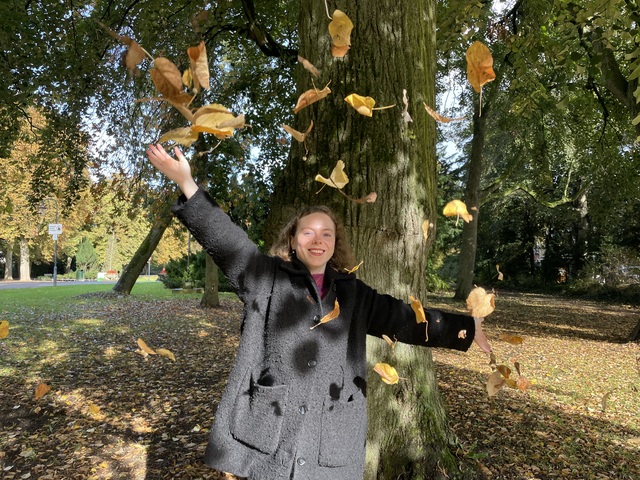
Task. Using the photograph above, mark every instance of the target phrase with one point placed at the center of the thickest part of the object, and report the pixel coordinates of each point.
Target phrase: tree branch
(262, 38)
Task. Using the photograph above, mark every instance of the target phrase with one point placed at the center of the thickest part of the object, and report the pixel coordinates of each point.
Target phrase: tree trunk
(8, 257)
(392, 48)
(25, 261)
(133, 269)
(210, 297)
(467, 257)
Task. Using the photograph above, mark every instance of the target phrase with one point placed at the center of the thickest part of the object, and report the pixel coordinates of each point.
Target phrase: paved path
(9, 284)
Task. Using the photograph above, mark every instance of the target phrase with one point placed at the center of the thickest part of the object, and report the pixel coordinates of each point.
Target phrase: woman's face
(315, 241)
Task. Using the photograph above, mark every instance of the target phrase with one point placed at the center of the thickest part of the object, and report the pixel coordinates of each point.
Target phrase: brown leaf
(143, 346)
(512, 339)
(351, 270)
(166, 77)
(439, 118)
(184, 136)
(338, 178)
(41, 390)
(311, 96)
(480, 303)
(332, 315)
(479, 65)
(309, 66)
(495, 382)
(416, 306)
(363, 105)
(340, 30)
(199, 66)
(299, 136)
(405, 111)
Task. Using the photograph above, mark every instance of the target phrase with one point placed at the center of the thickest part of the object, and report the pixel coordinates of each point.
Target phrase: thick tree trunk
(467, 257)
(210, 297)
(25, 261)
(8, 257)
(392, 48)
(133, 269)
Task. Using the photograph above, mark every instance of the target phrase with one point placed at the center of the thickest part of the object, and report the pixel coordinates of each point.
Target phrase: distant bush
(177, 274)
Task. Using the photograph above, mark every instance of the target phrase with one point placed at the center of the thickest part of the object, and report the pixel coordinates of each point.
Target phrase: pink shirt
(319, 279)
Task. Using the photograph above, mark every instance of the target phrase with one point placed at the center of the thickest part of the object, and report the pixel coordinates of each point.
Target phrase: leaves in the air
(184, 136)
(340, 30)
(145, 348)
(500, 274)
(332, 315)
(308, 66)
(166, 353)
(391, 343)
(166, 77)
(480, 303)
(299, 136)
(388, 374)
(457, 208)
(426, 226)
(135, 53)
(217, 120)
(145, 351)
(354, 269)
(199, 66)
(405, 111)
(502, 376)
(41, 390)
(4, 328)
(439, 118)
(364, 105)
(311, 96)
(479, 65)
(512, 339)
(418, 309)
(337, 179)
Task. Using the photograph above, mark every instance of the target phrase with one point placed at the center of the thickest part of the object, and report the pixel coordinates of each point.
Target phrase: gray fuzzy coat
(294, 406)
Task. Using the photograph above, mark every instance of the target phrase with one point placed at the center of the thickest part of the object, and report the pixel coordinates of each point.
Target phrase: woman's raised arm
(177, 171)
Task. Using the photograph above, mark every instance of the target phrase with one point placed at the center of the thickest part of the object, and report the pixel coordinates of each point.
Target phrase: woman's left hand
(480, 338)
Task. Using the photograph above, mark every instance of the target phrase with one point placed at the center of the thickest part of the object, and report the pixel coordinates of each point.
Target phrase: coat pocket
(258, 415)
(343, 431)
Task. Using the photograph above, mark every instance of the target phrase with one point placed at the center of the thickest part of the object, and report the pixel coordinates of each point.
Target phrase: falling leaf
(338, 179)
(517, 367)
(4, 329)
(215, 119)
(299, 136)
(135, 53)
(187, 79)
(340, 30)
(143, 346)
(391, 343)
(416, 305)
(309, 66)
(41, 390)
(236, 122)
(199, 66)
(184, 136)
(479, 65)
(439, 118)
(426, 225)
(332, 315)
(512, 339)
(495, 382)
(166, 77)
(363, 105)
(457, 208)
(165, 353)
(142, 353)
(387, 373)
(500, 275)
(371, 198)
(354, 269)
(504, 371)
(523, 384)
(405, 111)
(480, 303)
(94, 409)
(309, 97)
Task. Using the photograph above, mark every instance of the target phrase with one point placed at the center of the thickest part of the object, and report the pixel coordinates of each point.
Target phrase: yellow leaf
(333, 314)
(309, 66)
(479, 65)
(41, 390)
(199, 66)
(354, 269)
(495, 382)
(142, 353)
(439, 118)
(166, 77)
(215, 119)
(183, 136)
(340, 30)
(391, 343)
(299, 136)
(94, 409)
(338, 179)
(363, 105)
(512, 339)
(4, 329)
(143, 346)
(457, 208)
(135, 55)
(309, 97)
(165, 353)
(480, 303)
(187, 78)
(500, 274)
(523, 384)
(388, 374)
(426, 225)
(504, 370)
(416, 305)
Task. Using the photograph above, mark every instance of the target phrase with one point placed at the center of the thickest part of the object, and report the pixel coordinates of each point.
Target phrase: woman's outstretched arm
(177, 171)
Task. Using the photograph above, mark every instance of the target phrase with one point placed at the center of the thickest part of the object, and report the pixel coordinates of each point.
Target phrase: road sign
(55, 229)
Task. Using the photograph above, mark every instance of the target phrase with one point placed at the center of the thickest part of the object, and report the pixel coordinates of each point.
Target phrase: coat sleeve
(227, 244)
(389, 316)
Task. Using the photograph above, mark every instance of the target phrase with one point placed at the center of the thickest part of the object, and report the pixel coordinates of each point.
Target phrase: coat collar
(296, 267)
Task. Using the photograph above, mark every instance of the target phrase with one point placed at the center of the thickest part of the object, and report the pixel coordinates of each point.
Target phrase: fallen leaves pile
(112, 413)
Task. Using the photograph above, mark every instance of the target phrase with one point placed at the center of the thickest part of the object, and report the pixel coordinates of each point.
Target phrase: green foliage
(178, 273)
(86, 255)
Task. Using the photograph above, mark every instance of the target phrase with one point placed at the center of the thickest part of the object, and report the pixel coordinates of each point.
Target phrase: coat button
(312, 363)
(316, 318)
(302, 409)
(301, 461)
(335, 288)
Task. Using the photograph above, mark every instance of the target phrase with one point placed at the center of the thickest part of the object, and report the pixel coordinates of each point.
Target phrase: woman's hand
(177, 171)
(480, 338)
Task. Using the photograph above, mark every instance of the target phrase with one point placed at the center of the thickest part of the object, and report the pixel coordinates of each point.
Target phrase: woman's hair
(342, 256)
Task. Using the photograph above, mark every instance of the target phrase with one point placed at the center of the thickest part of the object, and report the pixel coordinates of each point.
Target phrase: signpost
(55, 229)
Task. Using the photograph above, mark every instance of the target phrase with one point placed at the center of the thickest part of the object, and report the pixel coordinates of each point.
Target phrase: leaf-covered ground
(112, 413)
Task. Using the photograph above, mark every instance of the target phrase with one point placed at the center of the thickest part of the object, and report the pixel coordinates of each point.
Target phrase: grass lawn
(114, 413)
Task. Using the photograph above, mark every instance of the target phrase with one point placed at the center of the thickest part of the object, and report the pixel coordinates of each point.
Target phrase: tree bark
(25, 261)
(210, 297)
(8, 257)
(132, 271)
(392, 48)
(467, 257)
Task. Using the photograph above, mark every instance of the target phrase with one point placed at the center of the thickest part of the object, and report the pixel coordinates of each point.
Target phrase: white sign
(55, 229)
(54, 236)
